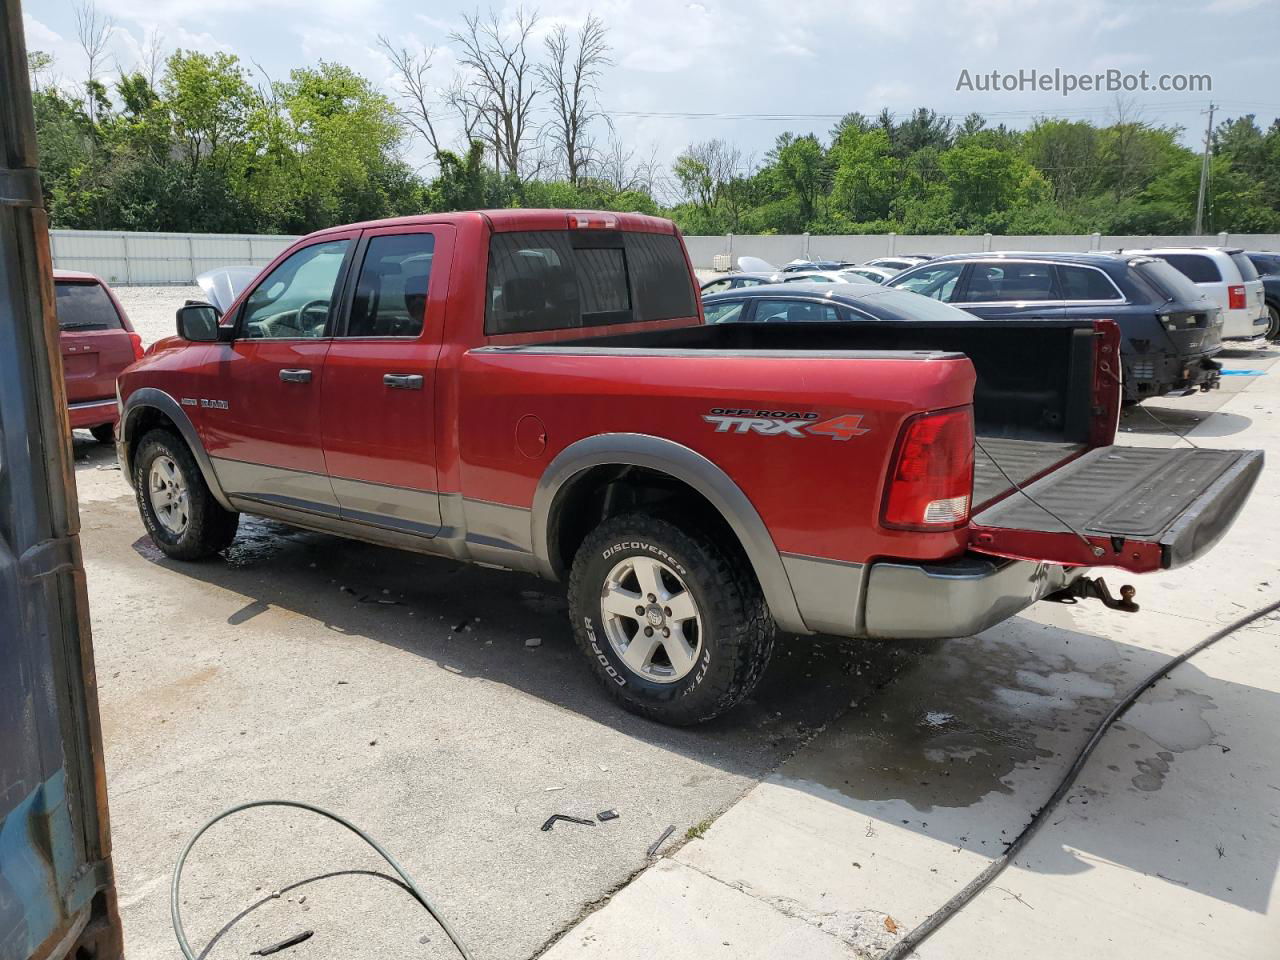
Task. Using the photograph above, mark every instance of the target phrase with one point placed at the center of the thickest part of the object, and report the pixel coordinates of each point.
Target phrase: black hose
(175, 910)
(931, 923)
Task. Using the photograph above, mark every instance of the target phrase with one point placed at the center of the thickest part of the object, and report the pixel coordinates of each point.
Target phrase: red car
(98, 342)
(537, 390)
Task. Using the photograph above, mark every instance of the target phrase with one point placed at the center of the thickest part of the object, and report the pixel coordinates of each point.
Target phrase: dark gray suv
(1171, 331)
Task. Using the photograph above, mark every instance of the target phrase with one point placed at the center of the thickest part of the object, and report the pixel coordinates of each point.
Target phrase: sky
(745, 70)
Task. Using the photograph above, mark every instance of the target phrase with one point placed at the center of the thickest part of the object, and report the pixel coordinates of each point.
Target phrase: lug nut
(652, 598)
(648, 631)
(639, 611)
(666, 631)
(667, 611)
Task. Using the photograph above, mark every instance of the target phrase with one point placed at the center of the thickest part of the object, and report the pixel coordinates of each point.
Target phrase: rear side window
(85, 306)
(1265, 264)
(1012, 282)
(723, 312)
(795, 311)
(936, 282)
(1245, 266)
(555, 280)
(1195, 267)
(1086, 283)
(391, 293)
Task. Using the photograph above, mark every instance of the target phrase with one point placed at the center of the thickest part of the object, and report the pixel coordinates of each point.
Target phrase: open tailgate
(1139, 508)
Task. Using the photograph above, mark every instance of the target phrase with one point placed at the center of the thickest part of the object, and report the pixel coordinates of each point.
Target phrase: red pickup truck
(537, 390)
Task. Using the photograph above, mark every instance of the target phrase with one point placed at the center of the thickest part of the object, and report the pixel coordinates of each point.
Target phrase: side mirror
(198, 322)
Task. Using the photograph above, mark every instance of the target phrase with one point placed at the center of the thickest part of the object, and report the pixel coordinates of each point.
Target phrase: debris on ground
(293, 941)
(533, 642)
(551, 821)
(891, 924)
(604, 815)
(654, 847)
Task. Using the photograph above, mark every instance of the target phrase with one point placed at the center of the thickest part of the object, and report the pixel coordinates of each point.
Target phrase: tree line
(192, 141)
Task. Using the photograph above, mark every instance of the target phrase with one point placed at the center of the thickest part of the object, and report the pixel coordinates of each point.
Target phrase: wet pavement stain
(953, 725)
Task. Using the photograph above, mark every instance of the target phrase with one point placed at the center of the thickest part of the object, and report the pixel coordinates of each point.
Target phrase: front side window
(391, 291)
(85, 306)
(937, 282)
(717, 286)
(294, 299)
(1194, 266)
(795, 311)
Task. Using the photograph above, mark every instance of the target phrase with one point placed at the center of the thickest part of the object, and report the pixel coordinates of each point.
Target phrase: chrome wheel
(651, 619)
(170, 498)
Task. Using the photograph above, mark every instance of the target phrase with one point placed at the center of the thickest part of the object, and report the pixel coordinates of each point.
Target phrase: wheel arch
(586, 467)
(150, 408)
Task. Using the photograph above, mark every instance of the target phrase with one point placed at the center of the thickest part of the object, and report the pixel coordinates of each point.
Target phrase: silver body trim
(828, 592)
(907, 601)
(419, 510)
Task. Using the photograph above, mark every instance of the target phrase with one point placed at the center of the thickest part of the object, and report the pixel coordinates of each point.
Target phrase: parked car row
(1175, 305)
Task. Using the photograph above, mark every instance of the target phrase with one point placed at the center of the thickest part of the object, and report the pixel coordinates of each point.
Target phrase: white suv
(1227, 277)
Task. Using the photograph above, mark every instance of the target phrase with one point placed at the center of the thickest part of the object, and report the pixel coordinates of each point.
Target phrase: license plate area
(1139, 508)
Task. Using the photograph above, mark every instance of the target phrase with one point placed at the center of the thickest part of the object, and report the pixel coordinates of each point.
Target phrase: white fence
(163, 258)
(158, 258)
(781, 249)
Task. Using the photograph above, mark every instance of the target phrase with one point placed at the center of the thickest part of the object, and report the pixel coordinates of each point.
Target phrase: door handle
(403, 381)
(295, 376)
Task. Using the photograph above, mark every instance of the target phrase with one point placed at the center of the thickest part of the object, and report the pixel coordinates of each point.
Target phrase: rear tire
(719, 633)
(1273, 329)
(179, 511)
(104, 432)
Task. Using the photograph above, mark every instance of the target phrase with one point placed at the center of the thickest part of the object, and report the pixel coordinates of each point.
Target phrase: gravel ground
(151, 309)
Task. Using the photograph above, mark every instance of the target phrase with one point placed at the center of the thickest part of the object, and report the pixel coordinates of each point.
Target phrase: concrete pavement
(1168, 845)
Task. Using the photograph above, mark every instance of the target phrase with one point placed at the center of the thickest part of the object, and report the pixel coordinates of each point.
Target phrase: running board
(1137, 508)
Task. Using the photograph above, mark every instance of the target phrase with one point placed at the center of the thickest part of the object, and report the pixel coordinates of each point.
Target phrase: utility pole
(57, 895)
(1204, 173)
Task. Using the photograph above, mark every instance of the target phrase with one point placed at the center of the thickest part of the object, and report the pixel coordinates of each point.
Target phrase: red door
(378, 401)
(261, 418)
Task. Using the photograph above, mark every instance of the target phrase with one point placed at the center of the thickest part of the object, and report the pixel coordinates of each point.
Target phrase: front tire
(671, 617)
(179, 511)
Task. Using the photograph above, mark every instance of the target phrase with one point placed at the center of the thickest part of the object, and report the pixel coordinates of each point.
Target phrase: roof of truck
(505, 221)
(76, 275)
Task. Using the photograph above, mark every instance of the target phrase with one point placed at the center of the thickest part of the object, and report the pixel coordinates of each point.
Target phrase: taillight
(593, 221)
(931, 480)
(1235, 296)
(136, 340)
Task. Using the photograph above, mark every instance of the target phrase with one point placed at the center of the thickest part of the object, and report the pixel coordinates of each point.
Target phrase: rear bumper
(911, 601)
(1239, 325)
(93, 413)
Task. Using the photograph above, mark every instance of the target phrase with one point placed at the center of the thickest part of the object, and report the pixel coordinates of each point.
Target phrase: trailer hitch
(1095, 588)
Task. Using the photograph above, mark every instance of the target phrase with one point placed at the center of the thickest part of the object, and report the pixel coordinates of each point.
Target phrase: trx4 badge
(782, 423)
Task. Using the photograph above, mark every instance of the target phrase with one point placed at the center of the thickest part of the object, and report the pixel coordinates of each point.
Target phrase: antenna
(1204, 173)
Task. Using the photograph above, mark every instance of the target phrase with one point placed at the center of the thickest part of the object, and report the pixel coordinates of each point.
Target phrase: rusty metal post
(57, 894)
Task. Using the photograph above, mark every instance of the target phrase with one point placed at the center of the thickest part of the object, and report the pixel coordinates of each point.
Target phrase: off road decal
(780, 423)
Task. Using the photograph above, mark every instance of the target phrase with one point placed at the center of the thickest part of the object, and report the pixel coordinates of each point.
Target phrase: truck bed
(1023, 460)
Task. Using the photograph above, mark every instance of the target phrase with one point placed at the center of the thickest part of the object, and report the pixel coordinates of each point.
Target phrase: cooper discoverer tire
(178, 509)
(709, 635)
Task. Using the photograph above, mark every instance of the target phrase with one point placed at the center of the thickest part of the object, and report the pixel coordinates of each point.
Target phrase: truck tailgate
(1139, 508)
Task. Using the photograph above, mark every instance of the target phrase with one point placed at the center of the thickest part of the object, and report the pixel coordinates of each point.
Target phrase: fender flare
(690, 467)
(151, 397)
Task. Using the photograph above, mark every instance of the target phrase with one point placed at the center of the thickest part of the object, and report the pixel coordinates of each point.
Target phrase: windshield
(1167, 279)
(85, 306)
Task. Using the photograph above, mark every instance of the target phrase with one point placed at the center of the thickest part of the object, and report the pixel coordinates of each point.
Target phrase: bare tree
(153, 56)
(705, 169)
(93, 30)
(615, 164)
(417, 106)
(571, 75)
(504, 82)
